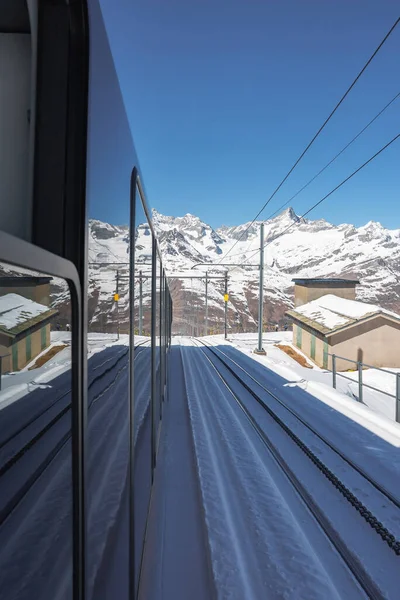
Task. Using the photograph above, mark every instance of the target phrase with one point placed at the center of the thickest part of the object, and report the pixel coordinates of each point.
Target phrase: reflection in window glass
(142, 378)
(35, 436)
(111, 157)
(157, 341)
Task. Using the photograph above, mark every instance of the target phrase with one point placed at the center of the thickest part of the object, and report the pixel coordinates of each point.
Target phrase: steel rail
(353, 564)
(379, 487)
(366, 514)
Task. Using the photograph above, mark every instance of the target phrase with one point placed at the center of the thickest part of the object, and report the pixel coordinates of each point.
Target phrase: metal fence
(361, 384)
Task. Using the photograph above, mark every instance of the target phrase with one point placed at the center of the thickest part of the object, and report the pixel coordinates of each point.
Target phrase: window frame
(20, 253)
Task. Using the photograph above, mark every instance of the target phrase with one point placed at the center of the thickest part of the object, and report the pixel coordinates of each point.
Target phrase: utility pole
(188, 306)
(206, 323)
(116, 298)
(226, 298)
(260, 349)
(140, 303)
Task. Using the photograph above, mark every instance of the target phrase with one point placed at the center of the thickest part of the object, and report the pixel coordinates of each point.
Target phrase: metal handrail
(360, 382)
(371, 387)
(364, 364)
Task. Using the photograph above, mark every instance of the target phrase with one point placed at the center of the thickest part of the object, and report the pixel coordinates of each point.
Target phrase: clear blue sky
(223, 95)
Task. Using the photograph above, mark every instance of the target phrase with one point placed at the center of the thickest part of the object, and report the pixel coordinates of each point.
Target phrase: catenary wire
(318, 133)
(335, 157)
(396, 137)
(326, 166)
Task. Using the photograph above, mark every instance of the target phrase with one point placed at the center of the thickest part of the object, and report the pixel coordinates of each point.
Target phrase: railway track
(361, 470)
(226, 367)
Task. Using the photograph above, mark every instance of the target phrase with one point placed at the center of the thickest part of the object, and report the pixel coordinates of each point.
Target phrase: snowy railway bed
(358, 513)
(232, 365)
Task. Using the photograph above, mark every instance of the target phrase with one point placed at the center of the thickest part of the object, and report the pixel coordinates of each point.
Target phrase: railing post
(398, 397)
(360, 383)
(334, 370)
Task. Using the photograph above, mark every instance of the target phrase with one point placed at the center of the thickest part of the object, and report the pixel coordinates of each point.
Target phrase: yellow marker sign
(226, 297)
(116, 297)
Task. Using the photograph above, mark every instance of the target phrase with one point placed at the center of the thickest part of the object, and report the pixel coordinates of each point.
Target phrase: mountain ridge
(295, 247)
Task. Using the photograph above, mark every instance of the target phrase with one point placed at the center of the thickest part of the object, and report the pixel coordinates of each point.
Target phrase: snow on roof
(16, 310)
(332, 312)
(325, 280)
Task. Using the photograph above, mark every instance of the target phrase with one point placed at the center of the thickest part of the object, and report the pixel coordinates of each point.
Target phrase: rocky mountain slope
(296, 247)
(308, 249)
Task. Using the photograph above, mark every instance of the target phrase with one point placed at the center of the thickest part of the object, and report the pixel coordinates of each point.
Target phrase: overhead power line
(318, 132)
(327, 195)
(328, 164)
(335, 157)
(325, 167)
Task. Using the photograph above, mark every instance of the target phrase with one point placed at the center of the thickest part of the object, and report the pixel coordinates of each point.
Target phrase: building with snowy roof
(308, 289)
(35, 288)
(24, 330)
(349, 328)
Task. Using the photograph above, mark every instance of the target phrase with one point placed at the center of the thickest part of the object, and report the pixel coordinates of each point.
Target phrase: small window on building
(15, 357)
(312, 353)
(43, 338)
(325, 363)
(299, 336)
(28, 347)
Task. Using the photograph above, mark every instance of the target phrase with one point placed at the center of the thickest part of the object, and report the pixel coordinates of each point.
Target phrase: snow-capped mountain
(308, 249)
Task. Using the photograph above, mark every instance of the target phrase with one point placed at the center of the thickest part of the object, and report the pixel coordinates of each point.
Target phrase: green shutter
(313, 347)
(325, 364)
(43, 335)
(299, 336)
(15, 357)
(28, 347)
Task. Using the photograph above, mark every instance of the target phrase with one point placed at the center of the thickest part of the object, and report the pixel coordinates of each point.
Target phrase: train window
(16, 130)
(35, 435)
(111, 156)
(158, 341)
(142, 378)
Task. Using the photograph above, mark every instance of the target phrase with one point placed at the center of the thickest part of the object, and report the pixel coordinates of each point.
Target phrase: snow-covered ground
(251, 512)
(246, 549)
(317, 381)
(382, 380)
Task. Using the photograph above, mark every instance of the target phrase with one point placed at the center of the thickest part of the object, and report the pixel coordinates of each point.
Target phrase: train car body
(79, 421)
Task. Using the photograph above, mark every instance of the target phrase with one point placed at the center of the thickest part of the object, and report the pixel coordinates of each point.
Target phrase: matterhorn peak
(289, 212)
